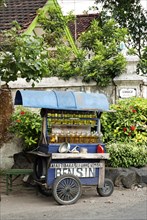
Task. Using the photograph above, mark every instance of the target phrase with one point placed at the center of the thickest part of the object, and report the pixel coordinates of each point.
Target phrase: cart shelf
(80, 156)
(73, 155)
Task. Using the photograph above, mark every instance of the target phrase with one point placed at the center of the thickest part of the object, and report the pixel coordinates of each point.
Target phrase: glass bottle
(52, 138)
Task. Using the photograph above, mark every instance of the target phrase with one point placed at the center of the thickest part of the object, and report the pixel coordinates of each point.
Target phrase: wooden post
(101, 178)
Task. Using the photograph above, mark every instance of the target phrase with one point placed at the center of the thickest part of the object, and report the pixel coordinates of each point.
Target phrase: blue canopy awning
(62, 100)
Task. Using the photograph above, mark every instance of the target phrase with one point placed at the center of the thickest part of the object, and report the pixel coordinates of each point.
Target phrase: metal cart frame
(64, 173)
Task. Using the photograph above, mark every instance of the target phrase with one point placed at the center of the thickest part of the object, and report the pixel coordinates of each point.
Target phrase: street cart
(70, 153)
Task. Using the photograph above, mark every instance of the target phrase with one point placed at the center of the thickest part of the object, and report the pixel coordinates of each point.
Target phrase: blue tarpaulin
(64, 100)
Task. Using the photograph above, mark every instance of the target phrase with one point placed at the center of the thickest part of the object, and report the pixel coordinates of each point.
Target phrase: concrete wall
(7, 151)
(129, 83)
(125, 85)
(54, 83)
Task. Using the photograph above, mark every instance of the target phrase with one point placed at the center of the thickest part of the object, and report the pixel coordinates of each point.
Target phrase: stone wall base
(127, 177)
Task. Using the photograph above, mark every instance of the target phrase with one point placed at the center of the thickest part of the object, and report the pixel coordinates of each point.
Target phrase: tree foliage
(53, 25)
(130, 14)
(1, 1)
(65, 64)
(22, 56)
(31, 57)
(103, 40)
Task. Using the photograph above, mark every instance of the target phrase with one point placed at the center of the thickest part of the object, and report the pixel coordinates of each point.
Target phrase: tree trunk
(6, 109)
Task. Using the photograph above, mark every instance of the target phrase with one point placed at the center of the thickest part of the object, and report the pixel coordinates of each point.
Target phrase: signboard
(73, 165)
(79, 172)
(77, 169)
(127, 93)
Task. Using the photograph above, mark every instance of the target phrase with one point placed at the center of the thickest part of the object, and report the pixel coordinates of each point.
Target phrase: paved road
(123, 204)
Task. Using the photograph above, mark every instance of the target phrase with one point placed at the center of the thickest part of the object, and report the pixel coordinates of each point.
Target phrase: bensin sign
(80, 172)
(77, 169)
(127, 93)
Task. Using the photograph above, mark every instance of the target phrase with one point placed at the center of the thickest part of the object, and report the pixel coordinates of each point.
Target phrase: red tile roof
(24, 11)
(81, 24)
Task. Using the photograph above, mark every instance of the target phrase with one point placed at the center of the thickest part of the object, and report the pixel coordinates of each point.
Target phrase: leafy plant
(22, 56)
(1, 2)
(142, 65)
(130, 15)
(66, 64)
(29, 57)
(103, 40)
(127, 154)
(128, 122)
(54, 25)
(26, 125)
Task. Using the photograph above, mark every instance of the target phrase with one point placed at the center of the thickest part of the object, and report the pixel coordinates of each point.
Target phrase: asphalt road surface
(123, 204)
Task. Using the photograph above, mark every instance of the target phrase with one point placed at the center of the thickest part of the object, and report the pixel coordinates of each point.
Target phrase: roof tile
(81, 24)
(24, 11)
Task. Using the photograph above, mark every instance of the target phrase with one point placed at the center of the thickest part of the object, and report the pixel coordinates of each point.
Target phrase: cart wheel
(107, 189)
(44, 191)
(40, 167)
(67, 189)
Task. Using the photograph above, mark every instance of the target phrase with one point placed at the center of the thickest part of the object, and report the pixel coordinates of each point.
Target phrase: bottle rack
(72, 127)
(73, 119)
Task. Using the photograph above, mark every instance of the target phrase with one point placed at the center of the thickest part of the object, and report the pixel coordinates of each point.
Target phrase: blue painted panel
(91, 181)
(36, 99)
(53, 148)
(91, 100)
(84, 180)
(50, 177)
(65, 100)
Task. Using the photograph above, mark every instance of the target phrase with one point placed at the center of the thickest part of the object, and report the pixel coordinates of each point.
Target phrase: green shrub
(127, 155)
(128, 123)
(26, 124)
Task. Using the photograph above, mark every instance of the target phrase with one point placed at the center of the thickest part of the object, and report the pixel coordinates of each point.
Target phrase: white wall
(129, 80)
